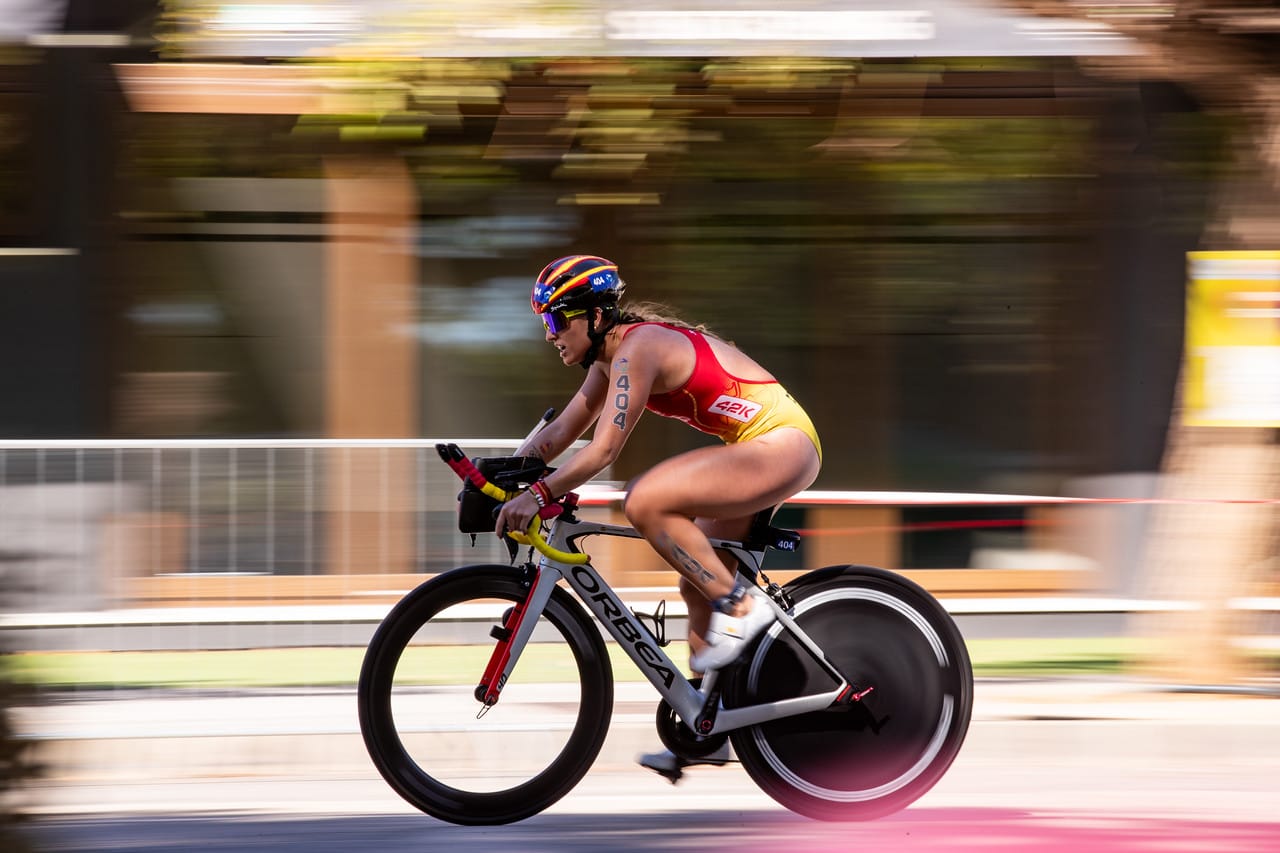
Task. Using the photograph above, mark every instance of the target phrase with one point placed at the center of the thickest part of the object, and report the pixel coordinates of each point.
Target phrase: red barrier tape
(927, 526)
(593, 496)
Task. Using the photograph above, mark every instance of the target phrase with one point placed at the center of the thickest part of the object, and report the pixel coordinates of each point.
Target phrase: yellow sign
(1233, 339)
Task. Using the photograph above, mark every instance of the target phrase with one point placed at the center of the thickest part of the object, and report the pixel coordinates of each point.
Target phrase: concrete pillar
(371, 361)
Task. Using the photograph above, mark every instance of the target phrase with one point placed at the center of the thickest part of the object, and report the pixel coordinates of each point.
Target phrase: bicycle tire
(481, 794)
(878, 754)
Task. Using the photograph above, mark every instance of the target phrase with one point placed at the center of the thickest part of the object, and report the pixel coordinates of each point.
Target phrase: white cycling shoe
(728, 635)
(666, 763)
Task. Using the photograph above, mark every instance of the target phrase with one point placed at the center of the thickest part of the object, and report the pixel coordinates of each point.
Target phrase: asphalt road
(1027, 806)
(1050, 767)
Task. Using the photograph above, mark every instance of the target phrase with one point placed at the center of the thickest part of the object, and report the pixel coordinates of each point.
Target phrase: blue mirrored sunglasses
(557, 321)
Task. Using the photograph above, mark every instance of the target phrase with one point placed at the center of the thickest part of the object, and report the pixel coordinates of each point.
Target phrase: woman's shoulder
(657, 338)
(657, 329)
(655, 342)
(647, 329)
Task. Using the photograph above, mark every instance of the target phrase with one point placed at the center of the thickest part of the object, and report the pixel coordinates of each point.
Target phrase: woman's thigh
(725, 528)
(732, 481)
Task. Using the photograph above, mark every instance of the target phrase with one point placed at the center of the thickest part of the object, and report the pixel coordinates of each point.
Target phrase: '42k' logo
(732, 407)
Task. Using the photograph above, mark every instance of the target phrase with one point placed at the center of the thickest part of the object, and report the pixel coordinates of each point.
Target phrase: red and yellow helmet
(576, 281)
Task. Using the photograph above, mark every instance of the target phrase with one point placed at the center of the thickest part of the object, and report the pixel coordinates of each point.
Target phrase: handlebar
(469, 473)
(462, 466)
(533, 537)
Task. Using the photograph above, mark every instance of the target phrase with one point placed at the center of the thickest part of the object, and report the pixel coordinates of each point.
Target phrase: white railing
(78, 517)
(152, 543)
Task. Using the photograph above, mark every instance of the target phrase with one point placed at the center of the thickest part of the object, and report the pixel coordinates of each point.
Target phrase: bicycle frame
(882, 628)
(697, 707)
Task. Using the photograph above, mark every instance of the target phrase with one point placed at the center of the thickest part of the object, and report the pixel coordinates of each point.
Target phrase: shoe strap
(726, 604)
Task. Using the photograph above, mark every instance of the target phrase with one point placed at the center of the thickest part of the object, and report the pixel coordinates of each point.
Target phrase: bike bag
(477, 512)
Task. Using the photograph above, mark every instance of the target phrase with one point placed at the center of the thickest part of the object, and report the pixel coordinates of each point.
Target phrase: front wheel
(881, 753)
(437, 745)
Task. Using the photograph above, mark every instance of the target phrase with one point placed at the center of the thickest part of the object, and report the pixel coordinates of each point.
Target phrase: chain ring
(679, 738)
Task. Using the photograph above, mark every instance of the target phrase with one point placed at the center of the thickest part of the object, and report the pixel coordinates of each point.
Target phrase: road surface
(1048, 766)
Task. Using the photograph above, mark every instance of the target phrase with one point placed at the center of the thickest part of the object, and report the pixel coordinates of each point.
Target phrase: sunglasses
(557, 321)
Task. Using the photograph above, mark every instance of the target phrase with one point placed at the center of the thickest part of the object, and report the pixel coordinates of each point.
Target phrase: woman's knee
(642, 507)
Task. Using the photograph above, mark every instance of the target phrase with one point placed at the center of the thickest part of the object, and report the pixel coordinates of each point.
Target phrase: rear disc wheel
(878, 754)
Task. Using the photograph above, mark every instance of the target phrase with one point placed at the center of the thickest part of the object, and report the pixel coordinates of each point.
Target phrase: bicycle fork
(514, 633)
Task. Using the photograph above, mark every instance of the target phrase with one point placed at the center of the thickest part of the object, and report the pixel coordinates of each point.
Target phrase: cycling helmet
(580, 283)
(576, 281)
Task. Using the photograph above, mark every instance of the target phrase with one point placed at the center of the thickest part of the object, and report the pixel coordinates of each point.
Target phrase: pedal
(672, 774)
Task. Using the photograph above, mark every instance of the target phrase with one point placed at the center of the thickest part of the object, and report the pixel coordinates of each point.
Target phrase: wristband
(541, 493)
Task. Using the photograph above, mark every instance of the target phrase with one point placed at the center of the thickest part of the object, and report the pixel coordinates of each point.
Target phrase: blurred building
(960, 250)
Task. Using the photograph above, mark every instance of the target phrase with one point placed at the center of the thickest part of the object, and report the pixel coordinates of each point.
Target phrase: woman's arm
(614, 402)
(624, 392)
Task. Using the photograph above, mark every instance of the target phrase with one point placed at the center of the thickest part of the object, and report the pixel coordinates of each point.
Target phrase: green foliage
(1036, 657)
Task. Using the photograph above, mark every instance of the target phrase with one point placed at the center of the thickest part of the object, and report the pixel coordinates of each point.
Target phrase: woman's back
(676, 355)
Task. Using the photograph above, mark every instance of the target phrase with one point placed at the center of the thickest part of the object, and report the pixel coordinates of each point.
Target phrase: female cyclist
(637, 360)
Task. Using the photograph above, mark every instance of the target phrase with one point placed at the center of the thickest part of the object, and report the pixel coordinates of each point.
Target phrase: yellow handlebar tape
(496, 493)
(534, 537)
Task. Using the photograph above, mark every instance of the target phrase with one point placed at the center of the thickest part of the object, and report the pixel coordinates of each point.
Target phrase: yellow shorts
(779, 410)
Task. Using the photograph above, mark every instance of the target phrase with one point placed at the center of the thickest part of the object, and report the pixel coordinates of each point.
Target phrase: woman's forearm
(547, 443)
(585, 465)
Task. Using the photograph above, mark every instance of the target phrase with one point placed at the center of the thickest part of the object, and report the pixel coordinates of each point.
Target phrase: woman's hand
(516, 515)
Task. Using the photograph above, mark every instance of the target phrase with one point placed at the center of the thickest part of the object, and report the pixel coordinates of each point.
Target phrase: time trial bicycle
(850, 706)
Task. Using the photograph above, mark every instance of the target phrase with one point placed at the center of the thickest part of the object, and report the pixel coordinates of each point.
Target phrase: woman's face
(571, 339)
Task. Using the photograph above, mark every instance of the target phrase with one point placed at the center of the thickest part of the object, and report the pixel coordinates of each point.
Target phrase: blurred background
(256, 257)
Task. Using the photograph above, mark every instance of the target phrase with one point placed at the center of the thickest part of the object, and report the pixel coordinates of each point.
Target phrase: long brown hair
(656, 312)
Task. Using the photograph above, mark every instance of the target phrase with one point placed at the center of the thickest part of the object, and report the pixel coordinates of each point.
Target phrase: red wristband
(541, 493)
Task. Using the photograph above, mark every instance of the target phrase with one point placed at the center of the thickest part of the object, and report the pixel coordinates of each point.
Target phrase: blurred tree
(921, 230)
(1215, 541)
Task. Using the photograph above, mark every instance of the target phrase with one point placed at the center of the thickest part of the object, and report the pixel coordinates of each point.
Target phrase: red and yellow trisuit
(721, 404)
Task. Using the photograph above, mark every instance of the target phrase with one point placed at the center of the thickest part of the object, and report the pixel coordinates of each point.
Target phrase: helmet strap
(608, 316)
